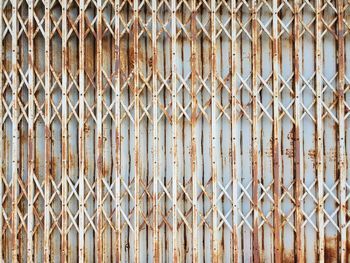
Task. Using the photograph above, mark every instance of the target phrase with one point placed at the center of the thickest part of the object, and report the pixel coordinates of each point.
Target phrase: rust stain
(312, 155)
(347, 250)
(331, 155)
(288, 257)
(289, 152)
(331, 249)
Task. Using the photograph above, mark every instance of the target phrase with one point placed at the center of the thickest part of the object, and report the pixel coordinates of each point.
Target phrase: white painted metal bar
(193, 133)
(155, 167)
(15, 132)
(118, 130)
(48, 159)
(234, 120)
(297, 138)
(174, 131)
(31, 149)
(213, 131)
(341, 130)
(64, 169)
(136, 92)
(81, 128)
(255, 65)
(276, 135)
(99, 130)
(319, 131)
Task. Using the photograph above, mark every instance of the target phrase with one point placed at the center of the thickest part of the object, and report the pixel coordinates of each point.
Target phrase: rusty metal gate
(174, 130)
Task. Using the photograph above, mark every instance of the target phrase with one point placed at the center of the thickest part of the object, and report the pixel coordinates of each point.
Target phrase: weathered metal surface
(174, 131)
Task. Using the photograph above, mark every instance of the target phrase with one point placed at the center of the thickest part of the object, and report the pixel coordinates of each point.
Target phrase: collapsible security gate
(174, 130)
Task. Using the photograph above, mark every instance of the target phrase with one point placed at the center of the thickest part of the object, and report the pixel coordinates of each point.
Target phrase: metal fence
(174, 130)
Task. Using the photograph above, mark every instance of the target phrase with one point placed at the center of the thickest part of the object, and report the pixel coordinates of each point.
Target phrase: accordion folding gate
(174, 130)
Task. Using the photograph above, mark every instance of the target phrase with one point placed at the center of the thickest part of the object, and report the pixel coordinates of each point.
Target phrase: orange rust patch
(331, 251)
(347, 251)
(332, 155)
(290, 153)
(288, 257)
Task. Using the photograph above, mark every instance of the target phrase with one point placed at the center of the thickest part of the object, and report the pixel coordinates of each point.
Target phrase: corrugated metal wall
(175, 131)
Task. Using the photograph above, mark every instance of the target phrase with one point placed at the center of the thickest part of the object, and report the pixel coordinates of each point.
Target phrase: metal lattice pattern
(174, 131)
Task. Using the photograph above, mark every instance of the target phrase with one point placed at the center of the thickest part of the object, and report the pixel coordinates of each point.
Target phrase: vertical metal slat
(31, 150)
(319, 132)
(276, 135)
(48, 159)
(256, 250)
(118, 130)
(213, 130)
(99, 138)
(155, 133)
(137, 126)
(15, 132)
(174, 129)
(193, 133)
(64, 252)
(297, 138)
(81, 134)
(234, 144)
(341, 131)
